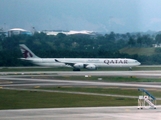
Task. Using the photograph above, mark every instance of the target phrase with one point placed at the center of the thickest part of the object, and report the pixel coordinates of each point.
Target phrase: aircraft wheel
(76, 69)
(130, 68)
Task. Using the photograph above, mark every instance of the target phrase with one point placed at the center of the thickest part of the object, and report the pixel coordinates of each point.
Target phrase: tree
(131, 42)
(158, 39)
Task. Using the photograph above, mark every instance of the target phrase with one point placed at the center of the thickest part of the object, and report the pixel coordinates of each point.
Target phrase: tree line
(77, 46)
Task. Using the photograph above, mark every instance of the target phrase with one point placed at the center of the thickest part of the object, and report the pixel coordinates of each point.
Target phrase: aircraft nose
(139, 63)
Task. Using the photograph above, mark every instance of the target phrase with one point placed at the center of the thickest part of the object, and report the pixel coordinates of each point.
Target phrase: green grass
(18, 99)
(104, 90)
(11, 99)
(107, 90)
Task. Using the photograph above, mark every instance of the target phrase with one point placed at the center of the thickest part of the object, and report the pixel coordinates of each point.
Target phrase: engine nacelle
(79, 65)
(91, 67)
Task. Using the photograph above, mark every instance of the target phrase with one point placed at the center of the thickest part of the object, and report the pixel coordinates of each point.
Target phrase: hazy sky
(120, 16)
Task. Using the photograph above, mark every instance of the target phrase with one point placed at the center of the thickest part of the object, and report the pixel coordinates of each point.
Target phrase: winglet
(57, 60)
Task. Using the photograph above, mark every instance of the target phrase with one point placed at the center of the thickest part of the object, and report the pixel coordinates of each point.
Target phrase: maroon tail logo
(26, 53)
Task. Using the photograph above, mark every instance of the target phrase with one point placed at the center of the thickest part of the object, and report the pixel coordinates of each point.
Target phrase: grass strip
(20, 99)
(17, 99)
(107, 90)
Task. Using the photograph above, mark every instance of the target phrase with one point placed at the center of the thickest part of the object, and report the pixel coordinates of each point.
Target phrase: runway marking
(37, 87)
(5, 82)
(127, 110)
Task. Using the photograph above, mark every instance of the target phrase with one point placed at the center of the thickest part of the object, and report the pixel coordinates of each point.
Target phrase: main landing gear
(76, 69)
(130, 68)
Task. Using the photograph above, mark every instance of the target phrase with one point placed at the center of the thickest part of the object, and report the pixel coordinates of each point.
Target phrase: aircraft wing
(78, 65)
(72, 64)
(66, 63)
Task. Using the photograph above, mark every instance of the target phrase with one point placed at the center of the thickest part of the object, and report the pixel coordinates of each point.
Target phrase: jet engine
(79, 65)
(91, 67)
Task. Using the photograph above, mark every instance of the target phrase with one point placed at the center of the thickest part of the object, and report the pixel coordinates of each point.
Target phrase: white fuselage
(98, 62)
(76, 63)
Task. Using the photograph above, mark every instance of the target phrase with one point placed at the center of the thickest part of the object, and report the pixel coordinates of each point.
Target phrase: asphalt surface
(153, 73)
(18, 80)
(85, 113)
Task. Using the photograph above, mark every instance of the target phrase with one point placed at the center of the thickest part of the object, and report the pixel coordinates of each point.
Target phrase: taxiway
(85, 113)
(19, 80)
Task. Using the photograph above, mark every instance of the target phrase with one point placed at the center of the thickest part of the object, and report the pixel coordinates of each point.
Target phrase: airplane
(77, 63)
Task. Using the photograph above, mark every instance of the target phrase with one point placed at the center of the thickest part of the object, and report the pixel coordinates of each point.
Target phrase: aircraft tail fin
(27, 53)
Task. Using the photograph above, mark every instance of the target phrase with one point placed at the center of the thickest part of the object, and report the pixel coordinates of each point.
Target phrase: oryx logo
(26, 53)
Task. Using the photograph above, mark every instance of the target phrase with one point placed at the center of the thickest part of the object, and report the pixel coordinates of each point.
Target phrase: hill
(140, 51)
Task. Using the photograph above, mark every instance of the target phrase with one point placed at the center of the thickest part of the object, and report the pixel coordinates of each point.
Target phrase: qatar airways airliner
(77, 63)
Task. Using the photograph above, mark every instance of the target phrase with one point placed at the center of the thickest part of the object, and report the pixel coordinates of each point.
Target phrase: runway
(85, 113)
(17, 82)
(20, 80)
(153, 73)
(24, 79)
